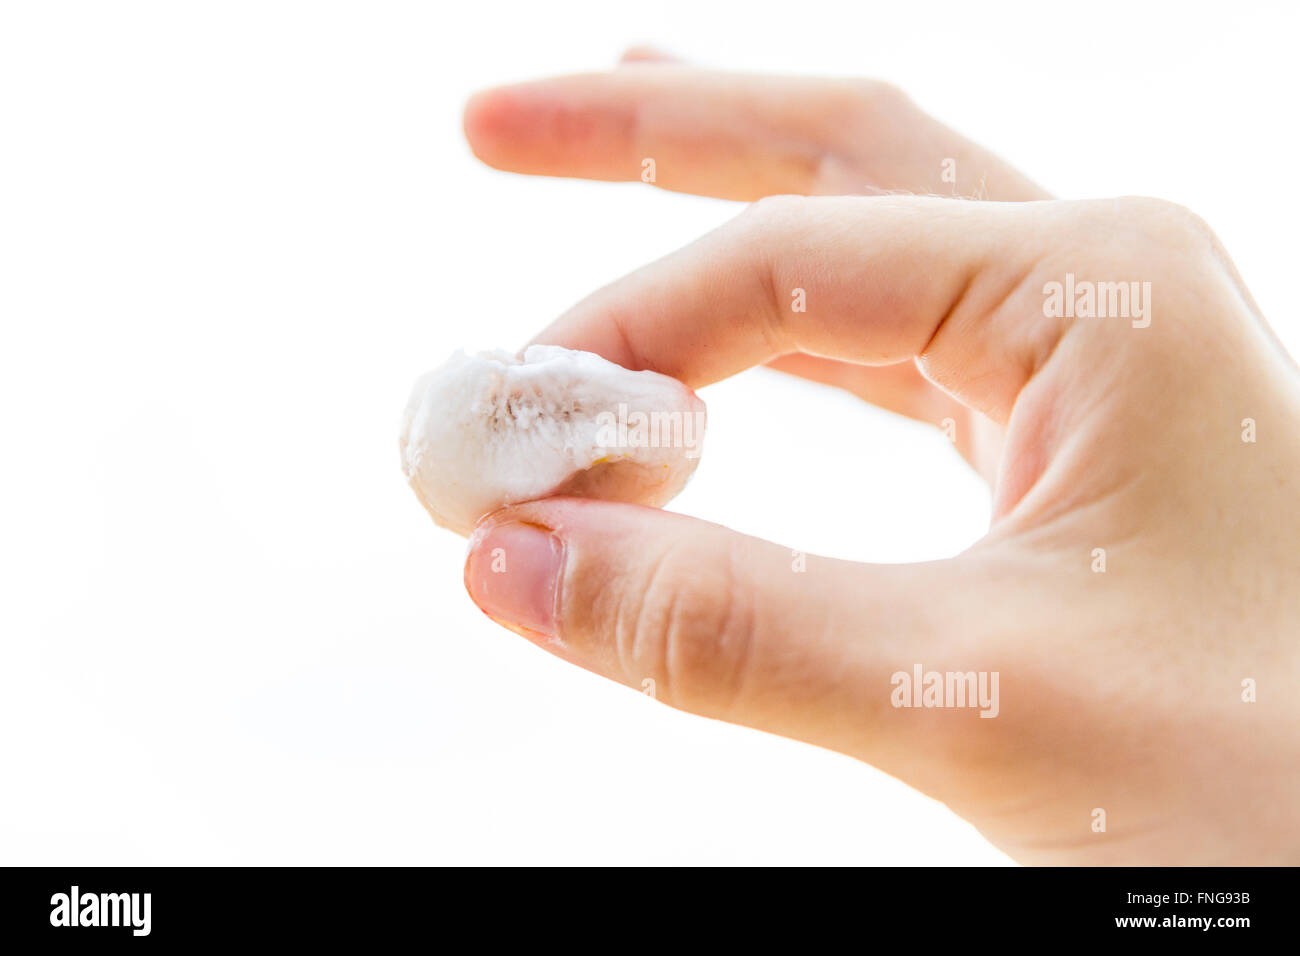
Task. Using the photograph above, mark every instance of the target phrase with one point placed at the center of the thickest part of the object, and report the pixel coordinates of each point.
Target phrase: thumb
(724, 625)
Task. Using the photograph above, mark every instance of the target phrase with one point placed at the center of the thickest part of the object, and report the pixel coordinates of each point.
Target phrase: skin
(1120, 691)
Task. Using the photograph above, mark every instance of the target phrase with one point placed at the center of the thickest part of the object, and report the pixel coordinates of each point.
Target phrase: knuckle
(768, 224)
(773, 212)
(880, 95)
(691, 631)
(866, 98)
(1168, 223)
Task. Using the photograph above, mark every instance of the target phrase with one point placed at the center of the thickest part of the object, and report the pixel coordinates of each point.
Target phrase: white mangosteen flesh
(493, 429)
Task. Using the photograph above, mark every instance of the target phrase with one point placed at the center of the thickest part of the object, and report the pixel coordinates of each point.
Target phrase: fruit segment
(487, 430)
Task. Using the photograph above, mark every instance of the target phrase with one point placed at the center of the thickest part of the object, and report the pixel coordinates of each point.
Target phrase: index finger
(870, 280)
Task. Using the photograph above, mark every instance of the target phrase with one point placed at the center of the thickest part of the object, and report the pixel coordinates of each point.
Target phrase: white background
(232, 234)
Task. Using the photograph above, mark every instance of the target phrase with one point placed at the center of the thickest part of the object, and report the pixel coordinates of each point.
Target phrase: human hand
(1120, 690)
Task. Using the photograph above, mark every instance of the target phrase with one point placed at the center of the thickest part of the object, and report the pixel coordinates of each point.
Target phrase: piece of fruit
(487, 430)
